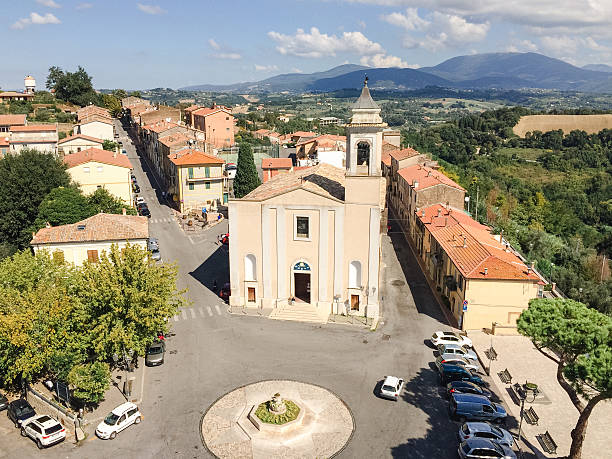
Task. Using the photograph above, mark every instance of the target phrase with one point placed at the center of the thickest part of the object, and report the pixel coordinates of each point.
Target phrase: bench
(514, 394)
(531, 416)
(491, 353)
(547, 442)
(505, 376)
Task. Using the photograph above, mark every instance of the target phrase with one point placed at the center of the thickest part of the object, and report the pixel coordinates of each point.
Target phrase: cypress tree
(246, 173)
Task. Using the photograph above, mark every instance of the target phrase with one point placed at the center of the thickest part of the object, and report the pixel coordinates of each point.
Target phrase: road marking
(218, 309)
(209, 311)
(193, 316)
(176, 318)
(190, 240)
(201, 311)
(184, 314)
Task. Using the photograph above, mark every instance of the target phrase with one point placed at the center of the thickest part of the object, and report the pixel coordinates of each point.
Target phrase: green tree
(579, 340)
(25, 180)
(62, 206)
(90, 381)
(113, 104)
(102, 201)
(109, 145)
(74, 87)
(127, 300)
(246, 173)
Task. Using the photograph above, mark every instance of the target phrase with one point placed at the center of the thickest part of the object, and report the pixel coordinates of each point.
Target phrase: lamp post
(523, 397)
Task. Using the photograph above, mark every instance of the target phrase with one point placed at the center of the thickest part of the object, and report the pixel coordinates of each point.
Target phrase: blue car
(470, 407)
(450, 372)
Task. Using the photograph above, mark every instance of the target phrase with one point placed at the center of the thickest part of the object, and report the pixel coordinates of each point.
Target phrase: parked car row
(468, 401)
(142, 207)
(42, 429)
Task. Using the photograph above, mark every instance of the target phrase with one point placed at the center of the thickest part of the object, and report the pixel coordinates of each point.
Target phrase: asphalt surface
(211, 352)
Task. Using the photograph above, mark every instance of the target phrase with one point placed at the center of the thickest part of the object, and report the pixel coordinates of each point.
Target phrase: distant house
(273, 166)
(8, 121)
(8, 96)
(329, 120)
(90, 110)
(96, 126)
(4, 145)
(75, 143)
(304, 135)
(161, 113)
(41, 137)
(88, 239)
(196, 180)
(94, 168)
(217, 122)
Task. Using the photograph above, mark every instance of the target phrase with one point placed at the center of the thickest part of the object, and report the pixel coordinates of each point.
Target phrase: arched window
(363, 153)
(250, 268)
(355, 274)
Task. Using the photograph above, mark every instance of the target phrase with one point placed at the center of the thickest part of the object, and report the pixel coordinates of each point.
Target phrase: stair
(300, 312)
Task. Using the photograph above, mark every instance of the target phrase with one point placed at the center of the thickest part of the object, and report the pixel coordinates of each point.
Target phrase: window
(86, 169)
(227, 118)
(191, 187)
(207, 184)
(355, 274)
(207, 171)
(250, 268)
(99, 168)
(302, 227)
(190, 172)
(92, 256)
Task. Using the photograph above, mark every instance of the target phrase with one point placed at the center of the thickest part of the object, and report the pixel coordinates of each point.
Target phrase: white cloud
(315, 44)
(563, 45)
(150, 9)
(48, 3)
(84, 6)
(384, 61)
(458, 29)
(522, 46)
(296, 70)
(229, 56)
(409, 21)
(36, 18)
(265, 68)
(213, 44)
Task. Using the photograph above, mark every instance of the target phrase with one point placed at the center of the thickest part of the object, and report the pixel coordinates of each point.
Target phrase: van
(471, 407)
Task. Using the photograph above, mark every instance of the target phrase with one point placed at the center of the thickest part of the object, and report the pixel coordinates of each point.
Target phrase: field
(544, 123)
(529, 154)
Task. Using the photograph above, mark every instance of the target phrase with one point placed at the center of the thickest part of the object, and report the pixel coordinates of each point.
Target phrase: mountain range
(477, 71)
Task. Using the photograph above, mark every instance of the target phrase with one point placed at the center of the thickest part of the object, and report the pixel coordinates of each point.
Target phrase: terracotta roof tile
(34, 128)
(404, 153)
(276, 163)
(160, 126)
(175, 139)
(93, 118)
(427, 177)
(12, 120)
(4, 142)
(81, 136)
(100, 227)
(97, 155)
(188, 157)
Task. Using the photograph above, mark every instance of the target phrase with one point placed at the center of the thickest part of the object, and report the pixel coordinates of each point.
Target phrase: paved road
(212, 352)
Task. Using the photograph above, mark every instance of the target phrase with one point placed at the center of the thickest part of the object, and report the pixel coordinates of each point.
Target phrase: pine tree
(246, 174)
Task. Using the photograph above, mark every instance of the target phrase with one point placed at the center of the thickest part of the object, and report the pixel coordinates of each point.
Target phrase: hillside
(591, 124)
(391, 78)
(598, 67)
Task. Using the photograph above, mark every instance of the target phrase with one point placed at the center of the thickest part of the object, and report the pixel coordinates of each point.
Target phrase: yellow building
(481, 276)
(89, 238)
(196, 180)
(312, 236)
(94, 168)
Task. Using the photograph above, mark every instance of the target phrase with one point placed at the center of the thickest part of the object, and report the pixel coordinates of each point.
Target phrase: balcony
(203, 178)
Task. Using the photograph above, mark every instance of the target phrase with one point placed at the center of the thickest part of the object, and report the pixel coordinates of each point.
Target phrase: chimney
(47, 225)
(428, 173)
(416, 184)
(439, 212)
(423, 213)
(486, 271)
(123, 211)
(447, 205)
(464, 242)
(445, 222)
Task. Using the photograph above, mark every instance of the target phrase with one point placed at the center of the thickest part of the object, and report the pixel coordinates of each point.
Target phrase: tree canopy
(246, 179)
(62, 206)
(74, 87)
(579, 340)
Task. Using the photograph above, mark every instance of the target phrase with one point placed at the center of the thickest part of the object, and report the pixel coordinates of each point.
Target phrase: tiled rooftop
(81, 136)
(426, 177)
(97, 155)
(12, 120)
(34, 128)
(188, 157)
(100, 227)
(276, 163)
(404, 153)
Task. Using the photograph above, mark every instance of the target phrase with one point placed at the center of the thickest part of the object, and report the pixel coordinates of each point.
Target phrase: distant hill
(478, 71)
(598, 67)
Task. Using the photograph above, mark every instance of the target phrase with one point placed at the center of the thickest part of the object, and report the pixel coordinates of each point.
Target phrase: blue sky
(173, 43)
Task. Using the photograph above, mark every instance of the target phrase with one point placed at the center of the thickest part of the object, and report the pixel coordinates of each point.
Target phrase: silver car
(485, 430)
(462, 351)
(155, 353)
(153, 247)
(476, 448)
(455, 359)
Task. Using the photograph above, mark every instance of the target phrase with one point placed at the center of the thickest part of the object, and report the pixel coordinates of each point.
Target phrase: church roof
(365, 100)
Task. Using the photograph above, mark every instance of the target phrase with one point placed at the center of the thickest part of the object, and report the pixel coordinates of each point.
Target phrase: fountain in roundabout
(306, 421)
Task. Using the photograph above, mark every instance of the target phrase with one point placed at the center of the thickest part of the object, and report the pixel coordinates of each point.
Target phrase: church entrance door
(302, 286)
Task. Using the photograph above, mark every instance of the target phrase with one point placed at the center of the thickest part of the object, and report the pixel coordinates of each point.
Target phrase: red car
(225, 292)
(224, 239)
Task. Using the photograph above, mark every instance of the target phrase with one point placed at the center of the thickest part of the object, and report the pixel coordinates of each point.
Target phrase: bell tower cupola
(364, 136)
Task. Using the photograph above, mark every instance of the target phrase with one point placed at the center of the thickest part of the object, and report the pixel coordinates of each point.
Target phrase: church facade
(313, 235)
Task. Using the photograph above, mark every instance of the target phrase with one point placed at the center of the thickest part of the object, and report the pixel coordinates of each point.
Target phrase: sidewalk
(526, 363)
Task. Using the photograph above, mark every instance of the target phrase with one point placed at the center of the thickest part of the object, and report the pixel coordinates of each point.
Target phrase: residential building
(271, 167)
(274, 137)
(482, 279)
(150, 136)
(300, 136)
(217, 122)
(4, 145)
(161, 113)
(41, 137)
(8, 96)
(95, 168)
(309, 147)
(197, 180)
(392, 136)
(329, 120)
(96, 126)
(313, 235)
(88, 239)
(132, 101)
(90, 110)
(8, 121)
(78, 142)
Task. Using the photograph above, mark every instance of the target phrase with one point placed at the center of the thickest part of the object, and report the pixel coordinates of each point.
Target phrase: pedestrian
(215, 286)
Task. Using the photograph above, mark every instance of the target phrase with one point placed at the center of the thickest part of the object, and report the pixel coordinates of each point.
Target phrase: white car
(391, 387)
(230, 169)
(462, 351)
(455, 359)
(121, 417)
(44, 430)
(140, 200)
(449, 337)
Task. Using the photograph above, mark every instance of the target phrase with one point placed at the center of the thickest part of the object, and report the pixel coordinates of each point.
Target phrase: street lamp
(523, 396)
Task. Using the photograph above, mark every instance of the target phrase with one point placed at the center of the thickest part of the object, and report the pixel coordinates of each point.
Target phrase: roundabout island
(276, 418)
